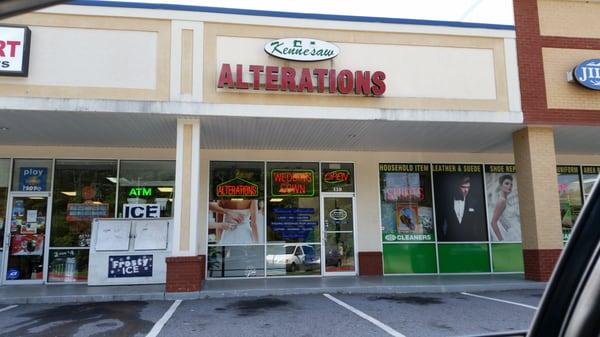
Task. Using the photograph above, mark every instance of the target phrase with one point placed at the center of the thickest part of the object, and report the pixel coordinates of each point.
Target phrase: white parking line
(163, 320)
(8, 308)
(365, 316)
(502, 301)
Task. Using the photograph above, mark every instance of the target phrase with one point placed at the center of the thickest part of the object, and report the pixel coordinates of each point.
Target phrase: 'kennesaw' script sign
(587, 74)
(301, 49)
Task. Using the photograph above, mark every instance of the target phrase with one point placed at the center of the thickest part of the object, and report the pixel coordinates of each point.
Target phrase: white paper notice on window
(151, 234)
(31, 216)
(113, 235)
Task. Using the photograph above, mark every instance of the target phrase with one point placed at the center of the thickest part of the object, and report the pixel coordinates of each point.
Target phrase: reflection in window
(236, 261)
(293, 259)
(83, 190)
(68, 265)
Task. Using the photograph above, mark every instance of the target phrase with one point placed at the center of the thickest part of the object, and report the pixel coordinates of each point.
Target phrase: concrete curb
(209, 294)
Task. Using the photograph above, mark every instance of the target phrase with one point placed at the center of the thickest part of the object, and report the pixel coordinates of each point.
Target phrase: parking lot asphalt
(410, 315)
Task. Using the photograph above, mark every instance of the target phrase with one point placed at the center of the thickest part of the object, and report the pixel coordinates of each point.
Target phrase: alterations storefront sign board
(14, 50)
(299, 80)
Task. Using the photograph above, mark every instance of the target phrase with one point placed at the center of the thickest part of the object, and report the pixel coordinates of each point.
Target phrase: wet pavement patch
(256, 306)
(415, 300)
(106, 319)
(441, 326)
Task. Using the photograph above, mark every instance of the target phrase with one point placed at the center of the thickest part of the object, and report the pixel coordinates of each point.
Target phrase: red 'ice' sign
(14, 50)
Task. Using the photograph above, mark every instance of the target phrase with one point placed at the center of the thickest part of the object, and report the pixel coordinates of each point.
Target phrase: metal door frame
(11, 196)
(324, 234)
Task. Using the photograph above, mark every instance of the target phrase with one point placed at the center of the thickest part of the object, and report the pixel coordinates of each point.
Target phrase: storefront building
(559, 64)
(281, 145)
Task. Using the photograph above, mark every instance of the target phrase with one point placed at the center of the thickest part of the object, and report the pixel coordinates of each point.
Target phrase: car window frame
(563, 295)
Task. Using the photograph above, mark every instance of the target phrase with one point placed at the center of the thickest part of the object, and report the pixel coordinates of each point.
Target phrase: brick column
(535, 161)
(370, 263)
(185, 273)
(185, 268)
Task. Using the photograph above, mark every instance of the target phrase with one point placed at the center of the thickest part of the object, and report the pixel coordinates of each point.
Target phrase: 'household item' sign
(130, 266)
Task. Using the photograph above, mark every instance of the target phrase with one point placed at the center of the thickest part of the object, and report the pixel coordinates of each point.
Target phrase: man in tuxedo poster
(459, 207)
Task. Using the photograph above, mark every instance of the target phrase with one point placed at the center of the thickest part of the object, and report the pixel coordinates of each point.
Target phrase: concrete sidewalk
(272, 286)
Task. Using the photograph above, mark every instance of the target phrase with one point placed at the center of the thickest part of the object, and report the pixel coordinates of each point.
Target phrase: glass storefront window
(589, 175)
(293, 203)
(236, 225)
(406, 207)
(68, 265)
(4, 177)
(504, 218)
(337, 177)
(32, 175)
(146, 182)
(459, 204)
(83, 190)
(28, 220)
(236, 203)
(293, 259)
(293, 226)
(236, 261)
(569, 192)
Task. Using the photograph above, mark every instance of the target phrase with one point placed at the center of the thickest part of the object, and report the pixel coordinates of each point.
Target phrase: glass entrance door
(338, 234)
(26, 234)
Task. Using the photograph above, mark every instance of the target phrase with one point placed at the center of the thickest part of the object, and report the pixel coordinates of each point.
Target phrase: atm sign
(140, 192)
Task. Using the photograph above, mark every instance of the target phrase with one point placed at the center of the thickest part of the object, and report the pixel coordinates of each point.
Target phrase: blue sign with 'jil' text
(587, 73)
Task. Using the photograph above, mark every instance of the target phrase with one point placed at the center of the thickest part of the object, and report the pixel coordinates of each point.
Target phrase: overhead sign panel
(14, 50)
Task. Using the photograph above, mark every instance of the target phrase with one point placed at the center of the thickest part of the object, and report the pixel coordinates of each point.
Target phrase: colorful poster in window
(337, 177)
(569, 193)
(237, 205)
(504, 219)
(406, 207)
(589, 175)
(459, 204)
(32, 244)
(33, 179)
(86, 211)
